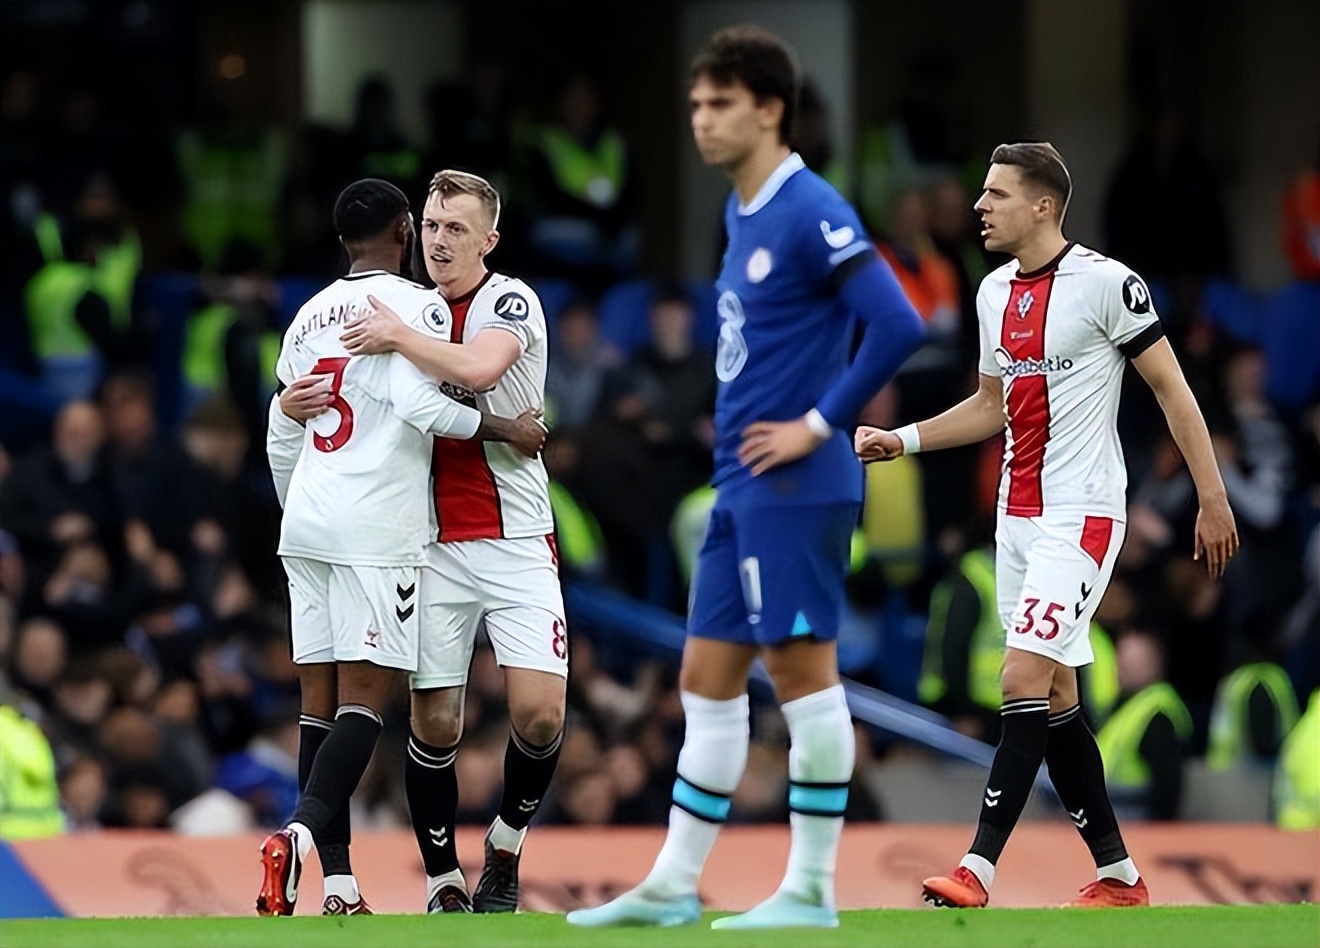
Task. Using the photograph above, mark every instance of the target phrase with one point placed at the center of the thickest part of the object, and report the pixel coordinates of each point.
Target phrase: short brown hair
(449, 182)
(1041, 166)
(758, 59)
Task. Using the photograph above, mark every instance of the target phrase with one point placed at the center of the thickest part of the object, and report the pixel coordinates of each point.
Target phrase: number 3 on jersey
(339, 437)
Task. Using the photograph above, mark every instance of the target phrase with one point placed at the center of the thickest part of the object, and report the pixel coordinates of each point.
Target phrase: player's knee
(540, 725)
(437, 719)
(1027, 675)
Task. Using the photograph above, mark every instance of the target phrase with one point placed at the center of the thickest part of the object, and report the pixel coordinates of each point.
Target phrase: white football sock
(344, 886)
(980, 867)
(1124, 871)
(435, 883)
(505, 837)
(709, 767)
(820, 766)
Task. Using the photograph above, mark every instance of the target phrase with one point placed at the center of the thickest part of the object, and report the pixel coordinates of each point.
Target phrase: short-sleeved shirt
(785, 333)
(358, 494)
(1058, 339)
(486, 490)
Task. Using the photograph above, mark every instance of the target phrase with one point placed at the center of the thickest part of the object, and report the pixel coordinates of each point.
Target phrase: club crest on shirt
(1024, 304)
(759, 264)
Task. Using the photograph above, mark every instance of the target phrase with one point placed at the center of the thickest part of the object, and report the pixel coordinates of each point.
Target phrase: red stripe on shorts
(1096, 533)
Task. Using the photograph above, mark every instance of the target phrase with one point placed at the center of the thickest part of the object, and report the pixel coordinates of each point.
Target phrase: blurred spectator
(62, 493)
(29, 792)
(1301, 223)
(234, 173)
(1164, 213)
(1297, 775)
(1145, 741)
(84, 788)
(471, 124)
(376, 146)
(921, 139)
(579, 362)
(41, 652)
(811, 136)
(79, 304)
(582, 192)
(155, 480)
(231, 342)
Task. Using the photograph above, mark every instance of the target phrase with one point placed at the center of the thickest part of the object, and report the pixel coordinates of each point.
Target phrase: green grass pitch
(1230, 926)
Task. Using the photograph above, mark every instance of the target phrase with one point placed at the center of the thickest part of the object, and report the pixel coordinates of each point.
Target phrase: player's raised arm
(1216, 532)
(477, 365)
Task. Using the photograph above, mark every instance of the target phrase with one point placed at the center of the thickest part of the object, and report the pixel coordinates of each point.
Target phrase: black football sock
(338, 766)
(1017, 759)
(432, 787)
(528, 770)
(1078, 774)
(332, 847)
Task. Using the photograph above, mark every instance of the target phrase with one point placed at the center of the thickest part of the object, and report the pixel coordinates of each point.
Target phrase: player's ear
(492, 238)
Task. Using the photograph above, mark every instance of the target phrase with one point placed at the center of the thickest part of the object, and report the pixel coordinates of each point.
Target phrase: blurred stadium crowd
(147, 278)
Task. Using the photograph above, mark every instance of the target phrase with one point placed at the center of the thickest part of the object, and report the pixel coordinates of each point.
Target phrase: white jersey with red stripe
(1058, 338)
(489, 490)
(357, 494)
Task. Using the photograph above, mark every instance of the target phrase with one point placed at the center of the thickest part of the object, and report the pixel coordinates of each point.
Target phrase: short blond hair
(449, 182)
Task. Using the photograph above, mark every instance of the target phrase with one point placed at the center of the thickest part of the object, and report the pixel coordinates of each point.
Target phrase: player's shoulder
(510, 298)
(1086, 260)
(807, 193)
(999, 277)
(1110, 279)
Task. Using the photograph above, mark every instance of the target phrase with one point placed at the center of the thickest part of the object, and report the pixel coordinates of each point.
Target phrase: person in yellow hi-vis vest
(583, 191)
(1297, 774)
(1255, 708)
(29, 791)
(1144, 742)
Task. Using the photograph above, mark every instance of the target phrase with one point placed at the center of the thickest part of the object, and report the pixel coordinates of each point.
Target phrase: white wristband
(910, 438)
(819, 426)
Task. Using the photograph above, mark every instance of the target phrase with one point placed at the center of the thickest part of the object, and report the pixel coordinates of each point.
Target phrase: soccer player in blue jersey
(798, 273)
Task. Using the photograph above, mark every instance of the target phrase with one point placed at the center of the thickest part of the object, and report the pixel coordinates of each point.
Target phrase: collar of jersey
(787, 168)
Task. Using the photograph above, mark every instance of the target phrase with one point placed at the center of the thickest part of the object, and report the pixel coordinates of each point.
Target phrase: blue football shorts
(769, 574)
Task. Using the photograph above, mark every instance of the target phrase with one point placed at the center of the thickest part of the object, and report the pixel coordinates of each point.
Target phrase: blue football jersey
(785, 334)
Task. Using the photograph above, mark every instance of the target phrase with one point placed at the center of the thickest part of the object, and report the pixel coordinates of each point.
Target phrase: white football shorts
(354, 613)
(512, 586)
(1051, 572)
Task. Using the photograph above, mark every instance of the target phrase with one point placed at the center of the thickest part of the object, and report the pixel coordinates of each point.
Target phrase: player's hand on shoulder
(1216, 535)
(374, 333)
(530, 438)
(768, 444)
(307, 397)
(876, 444)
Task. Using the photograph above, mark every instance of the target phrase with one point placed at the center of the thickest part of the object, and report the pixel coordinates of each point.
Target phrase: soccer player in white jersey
(494, 560)
(1057, 324)
(354, 525)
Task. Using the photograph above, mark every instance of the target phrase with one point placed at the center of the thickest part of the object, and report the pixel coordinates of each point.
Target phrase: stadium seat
(555, 293)
(1292, 345)
(1234, 309)
(623, 314)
